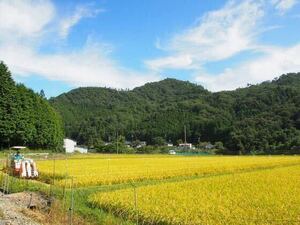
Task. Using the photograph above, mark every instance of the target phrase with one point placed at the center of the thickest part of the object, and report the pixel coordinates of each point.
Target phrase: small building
(141, 144)
(186, 146)
(209, 146)
(18, 147)
(169, 144)
(69, 145)
(80, 149)
(128, 144)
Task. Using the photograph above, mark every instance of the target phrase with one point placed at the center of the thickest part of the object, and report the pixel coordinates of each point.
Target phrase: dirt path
(14, 209)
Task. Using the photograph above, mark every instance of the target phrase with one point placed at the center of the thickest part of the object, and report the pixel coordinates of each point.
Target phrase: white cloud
(219, 35)
(224, 33)
(174, 62)
(275, 62)
(89, 66)
(24, 18)
(284, 5)
(80, 13)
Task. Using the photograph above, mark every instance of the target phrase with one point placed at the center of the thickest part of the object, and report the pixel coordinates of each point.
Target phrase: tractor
(22, 167)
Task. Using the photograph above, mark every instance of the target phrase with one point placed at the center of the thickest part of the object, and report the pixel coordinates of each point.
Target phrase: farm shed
(69, 145)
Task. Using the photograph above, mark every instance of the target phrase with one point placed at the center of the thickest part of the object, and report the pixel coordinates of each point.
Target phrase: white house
(69, 145)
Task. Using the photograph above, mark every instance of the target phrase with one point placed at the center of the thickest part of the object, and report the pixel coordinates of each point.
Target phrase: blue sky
(222, 45)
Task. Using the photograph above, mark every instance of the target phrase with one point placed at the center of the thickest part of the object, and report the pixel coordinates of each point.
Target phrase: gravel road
(14, 209)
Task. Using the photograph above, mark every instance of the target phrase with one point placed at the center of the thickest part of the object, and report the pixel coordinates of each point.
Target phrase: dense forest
(259, 119)
(26, 118)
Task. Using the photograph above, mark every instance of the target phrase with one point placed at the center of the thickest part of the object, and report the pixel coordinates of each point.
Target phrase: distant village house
(186, 146)
(209, 146)
(70, 146)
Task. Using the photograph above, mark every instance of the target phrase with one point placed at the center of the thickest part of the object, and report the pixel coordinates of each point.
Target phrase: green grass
(81, 206)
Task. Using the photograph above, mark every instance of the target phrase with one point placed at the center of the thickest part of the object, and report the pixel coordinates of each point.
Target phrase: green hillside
(262, 118)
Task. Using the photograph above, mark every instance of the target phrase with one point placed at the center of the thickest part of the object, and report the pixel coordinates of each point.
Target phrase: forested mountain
(26, 118)
(262, 118)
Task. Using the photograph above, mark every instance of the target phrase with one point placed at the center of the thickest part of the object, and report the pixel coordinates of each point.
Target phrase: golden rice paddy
(270, 196)
(104, 170)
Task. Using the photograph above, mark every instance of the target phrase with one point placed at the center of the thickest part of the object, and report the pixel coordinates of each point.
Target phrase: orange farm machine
(24, 168)
(18, 166)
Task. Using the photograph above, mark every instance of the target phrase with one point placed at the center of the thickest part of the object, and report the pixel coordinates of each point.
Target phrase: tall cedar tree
(8, 106)
(26, 118)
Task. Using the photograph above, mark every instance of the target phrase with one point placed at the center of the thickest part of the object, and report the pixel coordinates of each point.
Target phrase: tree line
(26, 118)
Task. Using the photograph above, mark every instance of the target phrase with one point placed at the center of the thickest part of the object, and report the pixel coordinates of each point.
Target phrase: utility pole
(117, 142)
(184, 134)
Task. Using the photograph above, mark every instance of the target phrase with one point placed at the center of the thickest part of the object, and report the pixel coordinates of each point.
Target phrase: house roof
(18, 147)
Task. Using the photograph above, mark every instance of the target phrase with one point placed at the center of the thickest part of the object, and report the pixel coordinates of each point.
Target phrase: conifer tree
(7, 106)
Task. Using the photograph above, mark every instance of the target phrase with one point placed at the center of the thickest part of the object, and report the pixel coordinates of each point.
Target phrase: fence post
(135, 205)
(52, 182)
(6, 184)
(3, 178)
(135, 202)
(72, 204)
(53, 177)
(107, 166)
(8, 169)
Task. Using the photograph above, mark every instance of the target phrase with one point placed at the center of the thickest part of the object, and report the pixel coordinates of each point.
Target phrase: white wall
(80, 149)
(69, 145)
